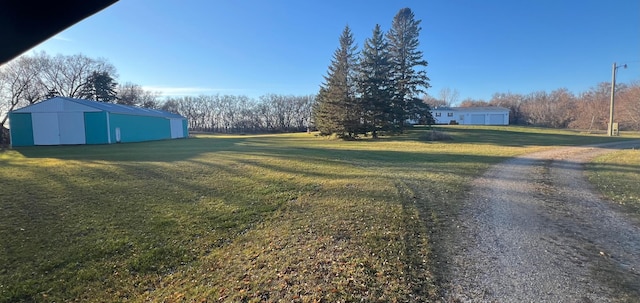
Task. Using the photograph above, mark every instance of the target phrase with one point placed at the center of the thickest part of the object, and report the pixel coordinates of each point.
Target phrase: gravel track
(533, 230)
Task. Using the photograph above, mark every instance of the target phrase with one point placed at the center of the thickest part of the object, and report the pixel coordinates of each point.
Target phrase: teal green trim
(95, 128)
(21, 129)
(139, 128)
(185, 128)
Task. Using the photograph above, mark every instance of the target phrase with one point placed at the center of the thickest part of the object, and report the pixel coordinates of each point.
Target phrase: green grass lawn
(617, 176)
(290, 217)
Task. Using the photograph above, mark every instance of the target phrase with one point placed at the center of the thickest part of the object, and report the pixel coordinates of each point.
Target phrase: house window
(449, 114)
(438, 114)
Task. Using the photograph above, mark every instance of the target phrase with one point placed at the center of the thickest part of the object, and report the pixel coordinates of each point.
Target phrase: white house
(488, 115)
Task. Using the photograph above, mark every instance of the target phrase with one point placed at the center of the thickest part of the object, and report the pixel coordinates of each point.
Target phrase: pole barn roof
(101, 106)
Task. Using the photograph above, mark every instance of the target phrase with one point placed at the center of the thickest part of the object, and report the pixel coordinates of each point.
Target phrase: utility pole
(613, 92)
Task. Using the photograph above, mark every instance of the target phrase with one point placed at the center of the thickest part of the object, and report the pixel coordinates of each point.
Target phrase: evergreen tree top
(405, 55)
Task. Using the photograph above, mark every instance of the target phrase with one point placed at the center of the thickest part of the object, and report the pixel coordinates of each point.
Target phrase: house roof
(110, 107)
(442, 108)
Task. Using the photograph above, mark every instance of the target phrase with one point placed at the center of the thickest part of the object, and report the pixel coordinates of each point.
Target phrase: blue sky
(256, 47)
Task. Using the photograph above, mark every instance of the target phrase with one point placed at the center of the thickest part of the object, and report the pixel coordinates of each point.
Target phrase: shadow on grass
(524, 136)
(295, 148)
(121, 210)
(181, 149)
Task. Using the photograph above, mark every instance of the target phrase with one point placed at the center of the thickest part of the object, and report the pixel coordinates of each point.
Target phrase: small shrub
(4, 137)
(435, 135)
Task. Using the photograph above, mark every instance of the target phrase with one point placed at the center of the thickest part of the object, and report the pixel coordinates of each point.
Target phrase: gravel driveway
(533, 230)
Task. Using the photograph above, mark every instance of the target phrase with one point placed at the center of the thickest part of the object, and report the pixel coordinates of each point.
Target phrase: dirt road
(533, 230)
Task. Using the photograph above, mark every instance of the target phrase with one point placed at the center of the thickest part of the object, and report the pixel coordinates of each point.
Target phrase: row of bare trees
(241, 114)
(279, 113)
(561, 108)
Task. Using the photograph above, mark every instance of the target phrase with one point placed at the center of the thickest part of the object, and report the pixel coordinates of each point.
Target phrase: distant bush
(435, 135)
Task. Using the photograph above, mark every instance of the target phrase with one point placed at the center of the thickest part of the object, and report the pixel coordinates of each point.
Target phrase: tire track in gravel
(533, 230)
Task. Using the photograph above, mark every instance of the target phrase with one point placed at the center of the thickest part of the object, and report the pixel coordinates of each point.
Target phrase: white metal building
(62, 120)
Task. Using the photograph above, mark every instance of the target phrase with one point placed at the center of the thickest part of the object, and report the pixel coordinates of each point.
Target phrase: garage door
(496, 119)
(71, 128)
(46, 130)
(477, 119)
(58, 128)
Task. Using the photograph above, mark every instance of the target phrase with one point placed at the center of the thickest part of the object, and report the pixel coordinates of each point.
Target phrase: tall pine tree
(374, 83)
(336, 108)
(408, 80)
(101, 87)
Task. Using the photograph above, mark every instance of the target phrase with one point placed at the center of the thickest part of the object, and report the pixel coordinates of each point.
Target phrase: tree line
(375, 90)
(240, 114)
(560, 108)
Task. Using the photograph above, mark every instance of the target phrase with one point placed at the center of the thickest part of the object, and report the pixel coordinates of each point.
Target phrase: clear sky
(256, 47)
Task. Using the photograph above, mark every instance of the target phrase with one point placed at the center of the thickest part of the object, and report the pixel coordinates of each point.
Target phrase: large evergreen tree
(374, 83)
(408, 80)
(101, 87)
(336, 108)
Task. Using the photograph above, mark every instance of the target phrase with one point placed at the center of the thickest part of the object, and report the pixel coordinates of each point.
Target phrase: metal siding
(124, 109)
(95, 128)
(139, 128)
(21, 129)
(442, 119)
(185, 128)
(176, 128)
(444, 116)
(46, 130)
(71, 126)
(477, 119)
